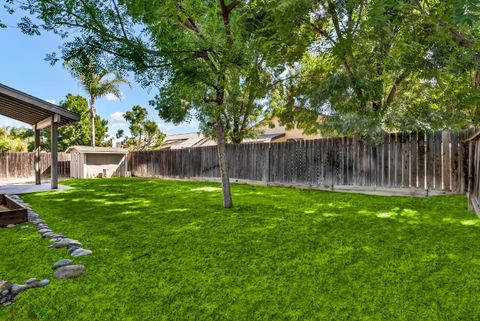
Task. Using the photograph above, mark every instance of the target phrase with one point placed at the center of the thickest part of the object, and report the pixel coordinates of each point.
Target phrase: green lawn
(166, 250)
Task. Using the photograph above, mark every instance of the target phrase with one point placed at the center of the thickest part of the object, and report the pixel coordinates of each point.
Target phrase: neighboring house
(91, 162)
(186, 140)
(288, 134)
(274, 134)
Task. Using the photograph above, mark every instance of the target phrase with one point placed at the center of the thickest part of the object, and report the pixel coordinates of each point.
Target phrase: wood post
(36, 157)
(54, 147)
(471, 169)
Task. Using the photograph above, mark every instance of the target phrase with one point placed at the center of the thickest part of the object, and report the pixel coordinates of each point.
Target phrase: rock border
(63, 268)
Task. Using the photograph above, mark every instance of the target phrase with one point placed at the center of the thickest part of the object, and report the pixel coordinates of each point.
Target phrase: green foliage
(14, 139)
(145, 133)
(96, 82)
(166, 250)
(383, 65)
(79, 133)
(200, 54)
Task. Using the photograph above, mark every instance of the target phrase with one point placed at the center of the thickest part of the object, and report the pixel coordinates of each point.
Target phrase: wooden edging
(370, 190)
(16, 214)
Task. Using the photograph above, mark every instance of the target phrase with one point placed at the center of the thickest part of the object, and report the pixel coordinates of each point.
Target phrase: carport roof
(31, 110)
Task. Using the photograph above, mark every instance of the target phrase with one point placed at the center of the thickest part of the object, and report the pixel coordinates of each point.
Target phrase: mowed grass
(167, 250)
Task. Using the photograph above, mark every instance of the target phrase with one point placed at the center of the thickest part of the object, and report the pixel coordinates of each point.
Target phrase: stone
(5, 286)
(16, 288)
(11, 225)
(73, 248)
(69, 272)
(61, 263)
(81, 252)
(6, 292)
(75, 243)
(7, 303)
(31, 281)
(43, 283)
(48, 234)
(44, 230)
(60, 244)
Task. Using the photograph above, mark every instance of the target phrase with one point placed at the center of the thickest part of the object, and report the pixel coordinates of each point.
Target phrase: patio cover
(40, 114)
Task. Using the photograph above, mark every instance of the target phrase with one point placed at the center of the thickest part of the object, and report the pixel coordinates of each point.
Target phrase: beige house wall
(294, 133)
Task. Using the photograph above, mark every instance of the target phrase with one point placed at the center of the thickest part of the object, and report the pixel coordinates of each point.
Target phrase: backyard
(166, 250)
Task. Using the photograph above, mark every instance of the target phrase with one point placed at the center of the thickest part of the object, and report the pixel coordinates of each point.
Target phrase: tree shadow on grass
(279, 252)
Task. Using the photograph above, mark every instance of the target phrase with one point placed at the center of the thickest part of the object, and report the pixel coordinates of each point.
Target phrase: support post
(36, 157)
(470, 173)
(54, 143)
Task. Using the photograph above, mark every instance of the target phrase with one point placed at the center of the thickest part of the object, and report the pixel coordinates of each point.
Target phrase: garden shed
(92, 162)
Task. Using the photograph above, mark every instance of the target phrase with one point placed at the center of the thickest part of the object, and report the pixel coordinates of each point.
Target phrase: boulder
(61, 263)
(16, 288)
(80, 252)
(5, 286)
(69, 272)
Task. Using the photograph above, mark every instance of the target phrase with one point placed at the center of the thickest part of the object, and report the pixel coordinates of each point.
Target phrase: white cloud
(112, 97)
(51, 101)
(117, 117)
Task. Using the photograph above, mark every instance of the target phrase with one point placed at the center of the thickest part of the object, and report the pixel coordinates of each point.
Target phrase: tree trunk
(476, 84)
(92, 122)
(222, 159)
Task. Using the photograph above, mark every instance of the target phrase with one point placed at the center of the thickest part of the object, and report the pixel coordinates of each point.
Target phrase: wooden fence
(21, 165)
(416, 162)
(474, 175)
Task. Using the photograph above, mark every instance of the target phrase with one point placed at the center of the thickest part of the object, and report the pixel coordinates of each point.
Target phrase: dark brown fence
(474, 174)
(434, 161)
(21, 165)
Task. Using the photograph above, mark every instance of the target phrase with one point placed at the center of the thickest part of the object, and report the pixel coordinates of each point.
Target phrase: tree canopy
(365, 66)
(96, 82)
(79, 132)
(383, 65)
(145, 134)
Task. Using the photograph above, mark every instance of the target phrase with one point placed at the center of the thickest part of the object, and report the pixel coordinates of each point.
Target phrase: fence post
(266, 169)
(6, 167)
(470, 175)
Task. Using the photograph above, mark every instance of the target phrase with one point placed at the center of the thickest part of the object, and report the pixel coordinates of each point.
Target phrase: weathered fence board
(436, 161)
(21, 165)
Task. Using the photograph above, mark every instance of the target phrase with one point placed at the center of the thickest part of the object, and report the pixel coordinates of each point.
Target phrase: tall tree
(200, 54)
(96, 82)
(145, 133)
(371, 66)
(79, 133)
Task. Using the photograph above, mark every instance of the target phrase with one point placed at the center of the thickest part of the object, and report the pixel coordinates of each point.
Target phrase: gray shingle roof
(97, 150)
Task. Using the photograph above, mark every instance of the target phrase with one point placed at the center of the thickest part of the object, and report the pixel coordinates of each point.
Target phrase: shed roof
(97, 150)
(31, 110)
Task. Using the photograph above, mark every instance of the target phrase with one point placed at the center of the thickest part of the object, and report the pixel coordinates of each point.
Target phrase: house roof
(31, 110)
(264, 138)
(186, 140)
(97, 150)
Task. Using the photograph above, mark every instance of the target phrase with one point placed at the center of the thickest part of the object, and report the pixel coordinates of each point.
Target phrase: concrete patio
(26, 187)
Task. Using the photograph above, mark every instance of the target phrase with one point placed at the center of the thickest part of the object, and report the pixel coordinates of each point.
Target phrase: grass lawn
(166, 250)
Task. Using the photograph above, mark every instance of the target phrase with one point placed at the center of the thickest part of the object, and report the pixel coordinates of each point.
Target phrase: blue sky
(23, 67)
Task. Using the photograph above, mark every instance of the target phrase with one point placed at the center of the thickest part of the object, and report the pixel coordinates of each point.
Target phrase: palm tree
(97, 83)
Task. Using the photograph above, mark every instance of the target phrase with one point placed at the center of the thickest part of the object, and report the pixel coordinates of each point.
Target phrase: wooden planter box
(11, 212)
